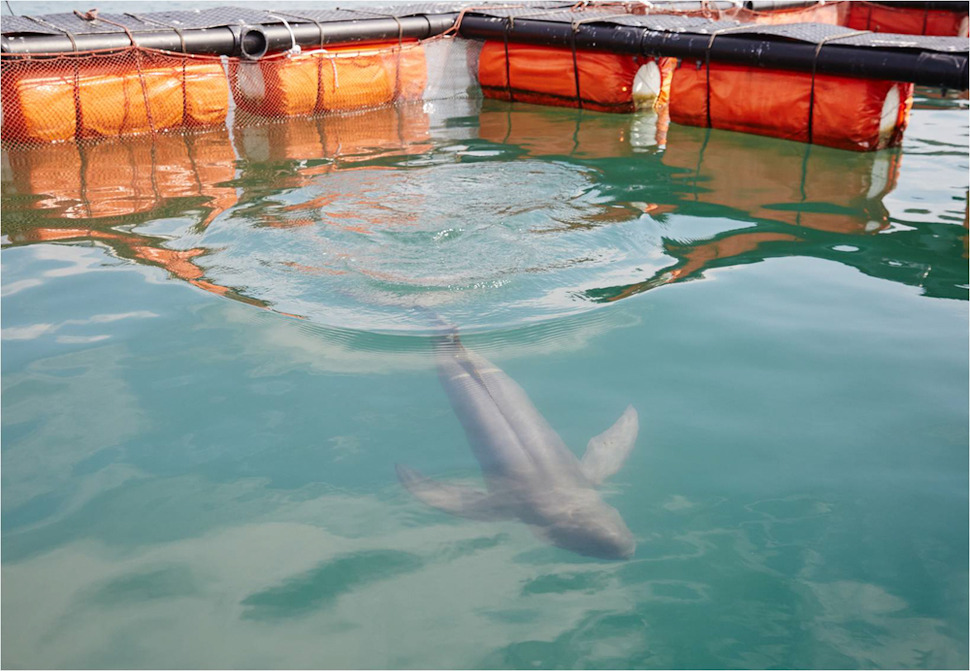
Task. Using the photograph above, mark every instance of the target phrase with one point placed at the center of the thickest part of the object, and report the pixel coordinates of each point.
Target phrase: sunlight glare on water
(359, 244)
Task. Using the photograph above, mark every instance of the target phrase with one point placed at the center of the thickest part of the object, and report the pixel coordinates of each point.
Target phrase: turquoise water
(216, 349)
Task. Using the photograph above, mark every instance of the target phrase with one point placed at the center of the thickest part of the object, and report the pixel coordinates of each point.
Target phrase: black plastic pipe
(922, 67)
(238, 40)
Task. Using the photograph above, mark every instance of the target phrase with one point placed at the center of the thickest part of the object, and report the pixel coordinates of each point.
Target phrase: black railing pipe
(238, 40)
(922, 67)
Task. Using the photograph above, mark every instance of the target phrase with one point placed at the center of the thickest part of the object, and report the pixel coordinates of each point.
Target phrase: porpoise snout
(616, 547)
(602, 538)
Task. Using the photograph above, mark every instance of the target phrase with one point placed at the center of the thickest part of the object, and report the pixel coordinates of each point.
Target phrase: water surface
(212, 360)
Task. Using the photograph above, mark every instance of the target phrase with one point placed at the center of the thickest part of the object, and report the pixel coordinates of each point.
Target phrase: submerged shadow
(321, 586)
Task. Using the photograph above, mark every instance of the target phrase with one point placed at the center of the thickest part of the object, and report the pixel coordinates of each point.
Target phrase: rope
(92, 16)
(318, 102)
(575, 29)
(707, 63)
(811, 96)
(148, 19)
(456, 26)
(510, 24)
(508, 69)
(185, 61)
(385, 15)
(78, 113)
(280, 15)
(69, 34)
(572, 42)
(294, 47)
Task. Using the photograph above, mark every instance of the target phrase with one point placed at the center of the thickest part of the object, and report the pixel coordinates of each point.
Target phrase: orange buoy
(856, 114)
(330, 80)
(110, 95)
(596, 80)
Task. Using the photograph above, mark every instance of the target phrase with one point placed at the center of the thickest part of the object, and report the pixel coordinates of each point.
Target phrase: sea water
(216, 347)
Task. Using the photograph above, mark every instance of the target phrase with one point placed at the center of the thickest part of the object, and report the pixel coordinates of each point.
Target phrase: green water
(210, 373)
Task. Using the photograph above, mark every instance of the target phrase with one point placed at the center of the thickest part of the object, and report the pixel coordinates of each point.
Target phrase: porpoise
(529, 472)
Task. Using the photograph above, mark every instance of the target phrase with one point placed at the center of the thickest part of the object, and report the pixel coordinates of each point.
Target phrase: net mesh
(134, 91)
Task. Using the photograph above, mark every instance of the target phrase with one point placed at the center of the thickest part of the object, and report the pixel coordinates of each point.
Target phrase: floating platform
(719, 64)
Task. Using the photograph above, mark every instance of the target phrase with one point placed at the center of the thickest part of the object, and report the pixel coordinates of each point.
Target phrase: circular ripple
(485, 243)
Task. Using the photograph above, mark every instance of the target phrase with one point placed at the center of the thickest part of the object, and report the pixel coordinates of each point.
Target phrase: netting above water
(131, 91)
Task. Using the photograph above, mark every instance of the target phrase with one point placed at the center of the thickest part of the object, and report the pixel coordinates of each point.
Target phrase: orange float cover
(352, 78)
(133, 92)
(408, 70)
(114, 101)
(360, 76)
(206, 92)
(778, 103)
(546, 76)
(38, 102)
(906, 20)
(330, 80)
(281, 85)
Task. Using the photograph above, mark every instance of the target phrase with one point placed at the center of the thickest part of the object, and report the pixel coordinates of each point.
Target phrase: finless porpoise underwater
(529, 472)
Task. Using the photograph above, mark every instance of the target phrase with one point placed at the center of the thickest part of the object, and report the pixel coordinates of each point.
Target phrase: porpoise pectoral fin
(459, 500)
(606, 452)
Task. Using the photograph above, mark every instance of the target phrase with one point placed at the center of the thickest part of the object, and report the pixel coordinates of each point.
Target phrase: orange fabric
(408, 70)
(667, 67)
(330, 80)
(38, 102)
(276, 86)
(546, 76)
(849, 115)
(777, 103)
(133, 92)
(114, 102)
(206, 93)
(904, 20)
(353, 77)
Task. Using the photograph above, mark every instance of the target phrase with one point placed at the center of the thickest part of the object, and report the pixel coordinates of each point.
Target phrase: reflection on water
(344, 220)
(102, 192)
(796, 200)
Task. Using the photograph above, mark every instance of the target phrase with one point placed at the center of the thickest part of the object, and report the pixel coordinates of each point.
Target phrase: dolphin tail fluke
(606, 452)
(458, 500)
